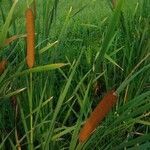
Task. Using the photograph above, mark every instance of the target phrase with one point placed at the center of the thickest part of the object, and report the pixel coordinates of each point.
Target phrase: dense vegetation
(83, 49)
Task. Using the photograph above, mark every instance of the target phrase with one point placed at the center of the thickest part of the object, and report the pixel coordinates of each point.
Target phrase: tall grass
(83, 49)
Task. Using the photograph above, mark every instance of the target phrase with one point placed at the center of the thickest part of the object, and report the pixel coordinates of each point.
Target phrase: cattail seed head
(98, 115)
(30, 58)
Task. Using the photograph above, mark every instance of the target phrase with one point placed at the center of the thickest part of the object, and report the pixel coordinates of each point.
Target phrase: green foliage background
(80, 45)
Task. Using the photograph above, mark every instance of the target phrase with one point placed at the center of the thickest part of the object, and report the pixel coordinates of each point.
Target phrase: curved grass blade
(110, 31)
(13, 93)
(41, 69)
(5, 27)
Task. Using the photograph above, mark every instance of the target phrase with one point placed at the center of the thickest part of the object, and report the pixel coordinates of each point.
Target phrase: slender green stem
(79, 146)
(31, 115)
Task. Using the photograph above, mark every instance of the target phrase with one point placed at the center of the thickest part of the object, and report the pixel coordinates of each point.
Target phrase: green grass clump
(83, 49)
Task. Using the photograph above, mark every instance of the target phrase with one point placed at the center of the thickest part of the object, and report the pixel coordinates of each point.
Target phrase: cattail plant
(98, 115)
(30, 62)
(30, 38)
(3, 64)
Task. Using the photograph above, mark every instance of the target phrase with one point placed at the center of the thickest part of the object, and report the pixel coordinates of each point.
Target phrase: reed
(30, 62)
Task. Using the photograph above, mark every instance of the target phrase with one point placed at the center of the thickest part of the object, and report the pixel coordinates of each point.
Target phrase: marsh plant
(74, 74)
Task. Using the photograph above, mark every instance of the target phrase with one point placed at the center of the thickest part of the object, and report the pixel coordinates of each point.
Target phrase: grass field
(83, 49)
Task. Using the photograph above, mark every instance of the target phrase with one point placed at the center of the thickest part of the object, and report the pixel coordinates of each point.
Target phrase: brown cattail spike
(3, 64)
(98, 115)
(30, 38)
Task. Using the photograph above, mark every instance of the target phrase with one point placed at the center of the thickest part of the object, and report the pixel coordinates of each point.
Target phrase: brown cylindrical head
(98, 115)
(30, 58)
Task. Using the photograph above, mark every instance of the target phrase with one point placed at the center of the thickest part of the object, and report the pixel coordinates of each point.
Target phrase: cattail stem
(98, 115)
(30, 62)
(30, 38)
(30, 108)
